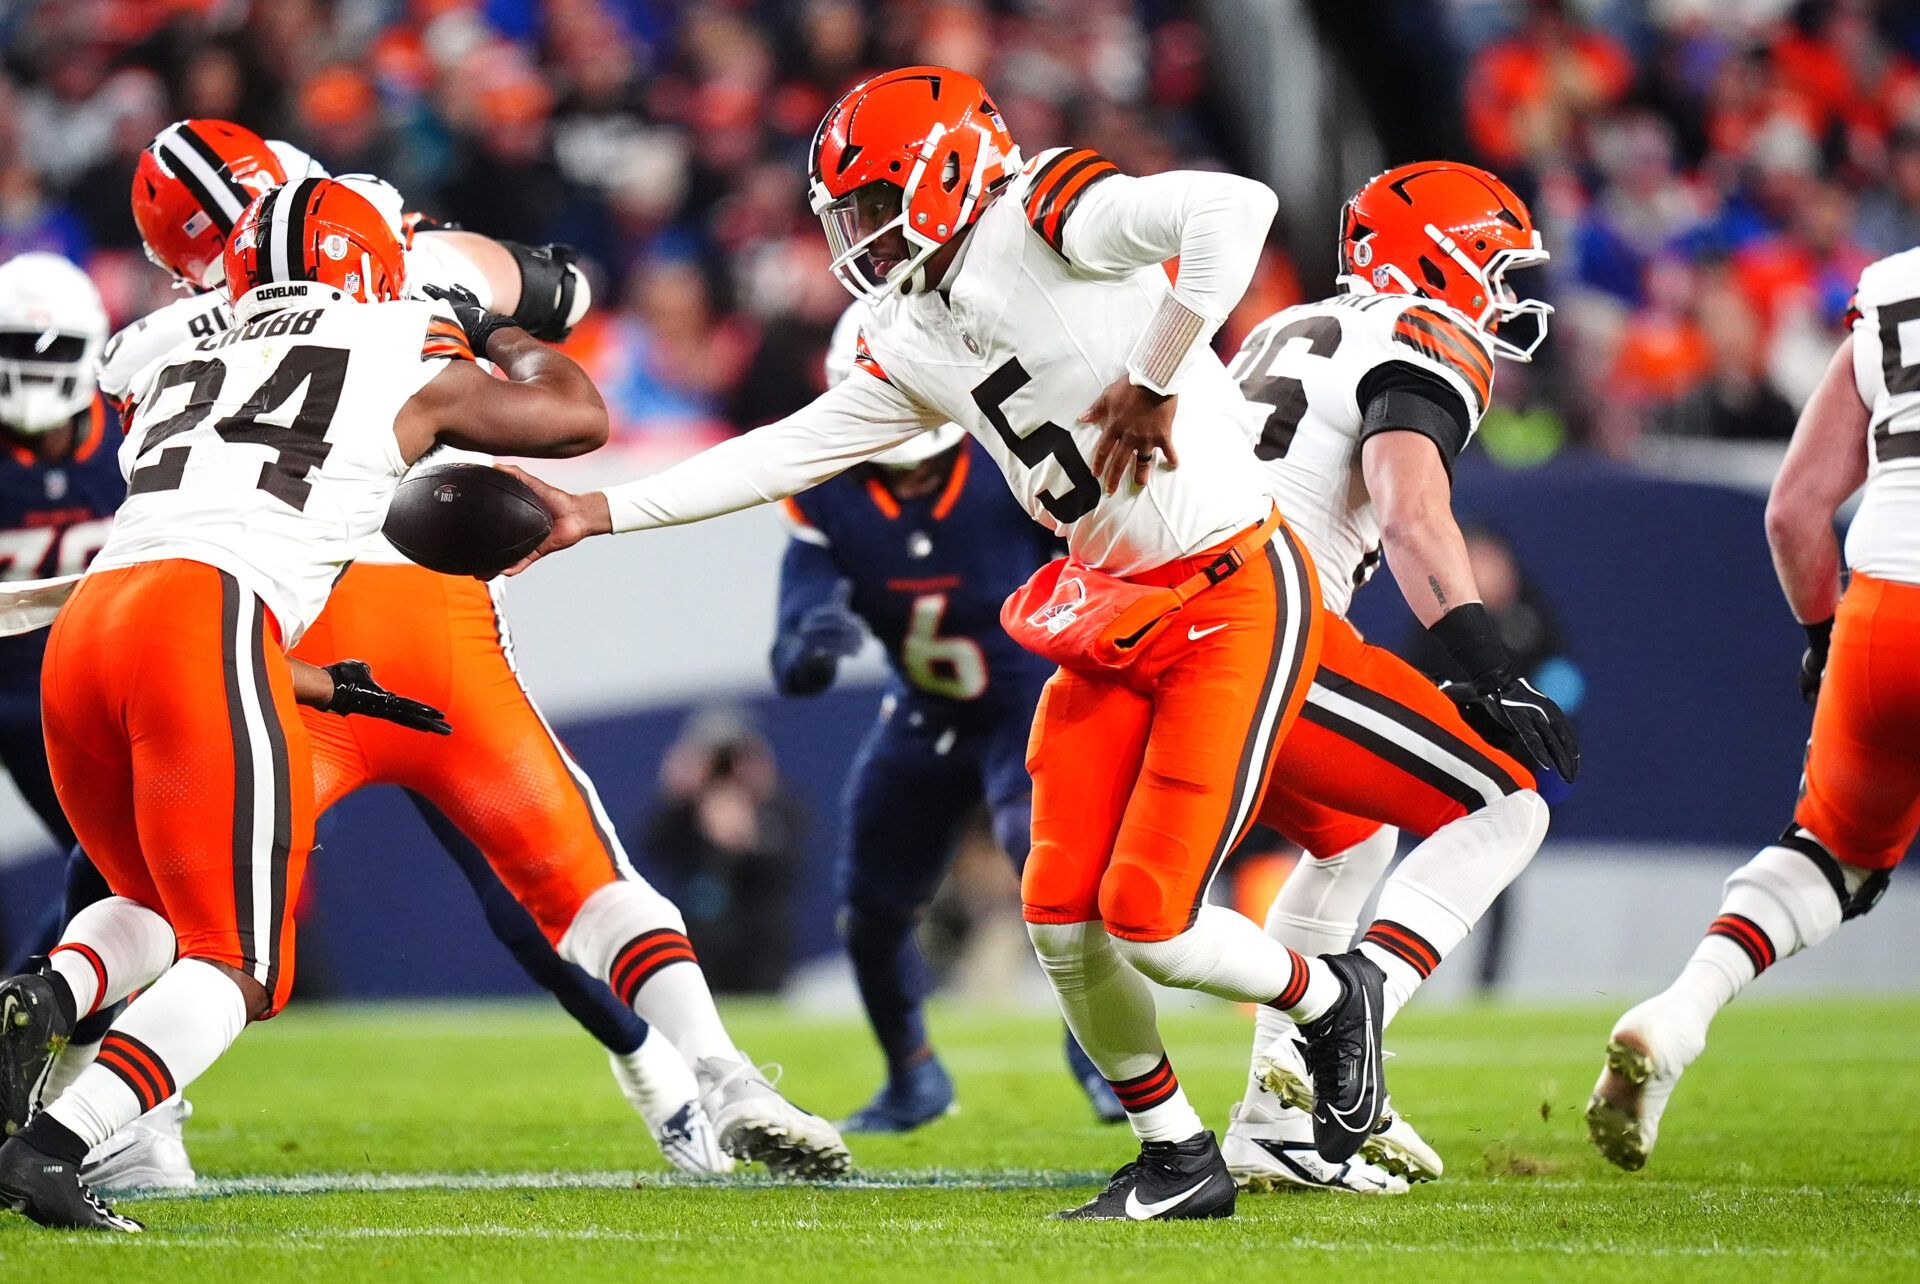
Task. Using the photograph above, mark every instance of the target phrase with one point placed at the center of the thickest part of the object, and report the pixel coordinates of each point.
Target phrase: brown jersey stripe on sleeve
(1047, 174)
(445, 339)
(1052, 223)
(1468, 362)
(1468, 343)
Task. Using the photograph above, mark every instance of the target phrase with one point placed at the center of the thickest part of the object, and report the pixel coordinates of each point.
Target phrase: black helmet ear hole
(950, 172)
(1479, 245)
(894, 167)
(1431, 271)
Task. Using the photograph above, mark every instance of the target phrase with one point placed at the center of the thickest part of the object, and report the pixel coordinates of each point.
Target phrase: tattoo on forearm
(1439, 594)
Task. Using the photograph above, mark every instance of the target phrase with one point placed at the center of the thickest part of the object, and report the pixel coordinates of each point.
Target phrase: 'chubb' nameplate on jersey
(267, 449)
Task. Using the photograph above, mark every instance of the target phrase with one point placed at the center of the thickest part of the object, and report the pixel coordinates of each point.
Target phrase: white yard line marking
(376, 1183)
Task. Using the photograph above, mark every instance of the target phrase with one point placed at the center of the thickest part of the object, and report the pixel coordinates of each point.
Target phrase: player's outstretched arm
(546, 406)
(852, 421)
(1825, 463)
(1413, 495)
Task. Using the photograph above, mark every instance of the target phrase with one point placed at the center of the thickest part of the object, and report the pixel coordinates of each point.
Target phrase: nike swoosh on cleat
(1141, 1211)
(1194, 634)
(1341, 1116)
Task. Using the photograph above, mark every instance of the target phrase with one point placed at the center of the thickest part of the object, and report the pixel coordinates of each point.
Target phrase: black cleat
(1170, 1181)
(50, 1192)
(1343, 1056)
(32, 1030)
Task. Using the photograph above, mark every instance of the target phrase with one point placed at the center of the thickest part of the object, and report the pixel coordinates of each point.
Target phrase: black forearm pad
(1469, 636)
(547, 284)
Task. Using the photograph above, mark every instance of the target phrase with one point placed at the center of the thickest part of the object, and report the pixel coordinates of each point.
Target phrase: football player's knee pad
(1055, 888)
(1136, 905)
(610, 918)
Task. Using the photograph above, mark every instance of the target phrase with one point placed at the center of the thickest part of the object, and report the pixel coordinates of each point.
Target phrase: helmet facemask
(46, 377)
(1503, 306)
(856, 222)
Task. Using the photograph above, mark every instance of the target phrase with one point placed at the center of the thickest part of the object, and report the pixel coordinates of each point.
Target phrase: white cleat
(755, 1123)
(1282, 1071)
(1396, 1147)
(148, 1154)
(1649, 1048)
(1272, 1149)
(655, 1080)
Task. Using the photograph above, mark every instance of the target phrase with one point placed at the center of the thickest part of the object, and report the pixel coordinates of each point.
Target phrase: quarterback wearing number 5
(1026, 302)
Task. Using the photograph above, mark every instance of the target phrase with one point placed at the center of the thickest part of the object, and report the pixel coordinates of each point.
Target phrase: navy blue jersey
(927, 577)
(54, 516)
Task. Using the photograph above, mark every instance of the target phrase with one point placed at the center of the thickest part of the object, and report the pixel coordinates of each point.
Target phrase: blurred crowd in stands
(666, 139)
(1711, 174)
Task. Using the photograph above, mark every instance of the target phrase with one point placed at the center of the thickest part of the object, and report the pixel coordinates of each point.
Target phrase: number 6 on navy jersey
(1048, 441)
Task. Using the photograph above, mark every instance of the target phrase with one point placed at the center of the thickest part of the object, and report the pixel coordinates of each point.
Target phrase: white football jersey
(131, 355)
(1305, 368)
(267, 449)
(1024, 343)
(1884, 539)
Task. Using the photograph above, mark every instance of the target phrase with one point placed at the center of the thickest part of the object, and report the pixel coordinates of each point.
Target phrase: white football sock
(1318, 912)
(655, 1079)
(1225, 955)
(110, 949)
(631, 936)
(163, 1041)
(1445, 884)
(1109, 1008)
(1775, 905)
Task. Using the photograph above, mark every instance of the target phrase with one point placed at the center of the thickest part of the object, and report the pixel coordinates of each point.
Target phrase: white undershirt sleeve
(854, 420)
(1216, 224)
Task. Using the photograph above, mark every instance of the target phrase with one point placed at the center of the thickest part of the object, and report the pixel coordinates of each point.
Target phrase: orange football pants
(1143, 781)
(180, 758)
(1861, 795)
(502, 777)
(1378, 743)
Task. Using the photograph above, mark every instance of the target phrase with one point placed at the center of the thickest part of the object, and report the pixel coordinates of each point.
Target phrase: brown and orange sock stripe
(1296, 985)
(1143, 1092)
(137, 1066)
(1405, 944)
(640, 959)
(1749, 936)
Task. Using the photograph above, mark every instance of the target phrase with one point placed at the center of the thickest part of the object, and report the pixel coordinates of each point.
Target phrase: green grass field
(487, 1143)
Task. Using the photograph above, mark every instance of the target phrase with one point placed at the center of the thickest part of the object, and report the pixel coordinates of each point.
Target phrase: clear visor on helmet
(867, 235)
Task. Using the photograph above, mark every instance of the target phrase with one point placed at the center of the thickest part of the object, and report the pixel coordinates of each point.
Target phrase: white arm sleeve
(1216, 223)
(852, 421)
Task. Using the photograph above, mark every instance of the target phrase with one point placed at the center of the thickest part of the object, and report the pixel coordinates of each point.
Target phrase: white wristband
(1161, 352)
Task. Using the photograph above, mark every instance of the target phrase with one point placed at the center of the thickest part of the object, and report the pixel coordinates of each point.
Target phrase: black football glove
(807, 660)
(1813, 662)
(1503, 705)
(355, 691)
(549, 283)
(473, 317)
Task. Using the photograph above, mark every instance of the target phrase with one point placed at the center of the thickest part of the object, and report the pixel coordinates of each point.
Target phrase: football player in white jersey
(505, 784)
(1859, 806)
(1028, 304)
(1370, 396)
(170, 702)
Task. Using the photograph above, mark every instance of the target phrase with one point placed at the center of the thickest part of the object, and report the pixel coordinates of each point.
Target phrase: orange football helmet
(189, 188)
(913, 151)
(1450, 232)
(316, 230)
